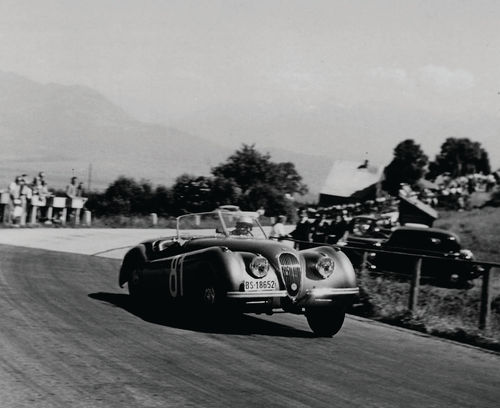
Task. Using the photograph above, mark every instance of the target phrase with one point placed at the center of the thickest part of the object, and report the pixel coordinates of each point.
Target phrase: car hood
(268, 248)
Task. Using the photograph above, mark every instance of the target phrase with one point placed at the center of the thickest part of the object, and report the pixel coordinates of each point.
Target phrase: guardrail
(485, 304)
(30, 209)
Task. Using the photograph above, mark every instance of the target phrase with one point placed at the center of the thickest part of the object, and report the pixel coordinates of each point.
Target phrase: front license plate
(260, 285)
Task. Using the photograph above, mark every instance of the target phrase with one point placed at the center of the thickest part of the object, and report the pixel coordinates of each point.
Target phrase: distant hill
(62, 129)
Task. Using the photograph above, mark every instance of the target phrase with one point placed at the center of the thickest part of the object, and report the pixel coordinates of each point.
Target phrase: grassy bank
(446, 312)
(479, 230)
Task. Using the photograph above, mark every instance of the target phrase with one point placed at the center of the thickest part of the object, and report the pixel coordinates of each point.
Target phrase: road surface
(70, 337)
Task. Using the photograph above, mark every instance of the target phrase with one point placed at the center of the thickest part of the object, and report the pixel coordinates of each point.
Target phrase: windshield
(220, 224)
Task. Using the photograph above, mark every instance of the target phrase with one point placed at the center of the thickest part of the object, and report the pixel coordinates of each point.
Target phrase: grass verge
(444, 312)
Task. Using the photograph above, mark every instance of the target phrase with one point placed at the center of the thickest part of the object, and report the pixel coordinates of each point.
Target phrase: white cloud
(445, 78)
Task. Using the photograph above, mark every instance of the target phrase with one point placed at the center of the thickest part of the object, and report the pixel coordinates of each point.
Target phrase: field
(478, 229)
(452, 313)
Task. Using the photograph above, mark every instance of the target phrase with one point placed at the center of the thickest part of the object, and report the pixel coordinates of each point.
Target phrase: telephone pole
(89, 181)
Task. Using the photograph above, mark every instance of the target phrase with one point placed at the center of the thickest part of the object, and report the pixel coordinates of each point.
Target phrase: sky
(339, 78)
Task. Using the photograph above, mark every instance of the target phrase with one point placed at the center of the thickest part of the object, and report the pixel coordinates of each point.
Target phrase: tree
(407, 166)
(162, 201)
(127, 196)
(260, 181)
(459, 157)
(192, 194)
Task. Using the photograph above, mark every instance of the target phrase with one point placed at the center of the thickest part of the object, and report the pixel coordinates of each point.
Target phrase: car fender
(133, 257)
(343, 275)
(223, 265)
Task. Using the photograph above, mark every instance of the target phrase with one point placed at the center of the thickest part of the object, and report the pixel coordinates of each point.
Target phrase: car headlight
(325, 266)
(259, 266)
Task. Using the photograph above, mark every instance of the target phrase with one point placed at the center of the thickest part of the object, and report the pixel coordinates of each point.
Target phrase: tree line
(457, 157)
(250, 179)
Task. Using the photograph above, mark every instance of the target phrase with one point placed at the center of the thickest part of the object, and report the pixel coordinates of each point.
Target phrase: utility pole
(89, 182)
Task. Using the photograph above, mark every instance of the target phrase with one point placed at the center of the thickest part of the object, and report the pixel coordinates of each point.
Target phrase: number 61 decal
(176, 277)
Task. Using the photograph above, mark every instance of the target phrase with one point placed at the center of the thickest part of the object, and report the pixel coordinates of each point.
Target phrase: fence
(486, 273)
(485, 305)
(30, 210)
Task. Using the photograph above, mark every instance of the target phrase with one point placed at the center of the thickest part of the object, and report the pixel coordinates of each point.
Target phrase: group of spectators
(333, 224)
(23, 195)
(453, 192)
(323, 226)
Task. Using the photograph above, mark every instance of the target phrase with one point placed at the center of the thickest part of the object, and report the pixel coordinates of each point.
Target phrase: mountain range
(73, 130)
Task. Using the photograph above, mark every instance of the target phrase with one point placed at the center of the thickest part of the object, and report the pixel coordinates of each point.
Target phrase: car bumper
(329, 292)
(256, 302)
(325, 296)
(257, 295)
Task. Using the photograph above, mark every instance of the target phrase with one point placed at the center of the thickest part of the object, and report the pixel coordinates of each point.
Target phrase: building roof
(347, 177)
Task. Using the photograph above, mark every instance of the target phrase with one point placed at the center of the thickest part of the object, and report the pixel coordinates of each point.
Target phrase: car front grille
(291, 272)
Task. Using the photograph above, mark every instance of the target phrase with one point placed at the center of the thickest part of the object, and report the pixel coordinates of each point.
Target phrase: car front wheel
(325, 321)
(208, 295)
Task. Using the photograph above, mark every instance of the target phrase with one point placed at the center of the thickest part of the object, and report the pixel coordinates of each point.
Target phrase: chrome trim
(260, 294)
(291, 272)
(322, 292)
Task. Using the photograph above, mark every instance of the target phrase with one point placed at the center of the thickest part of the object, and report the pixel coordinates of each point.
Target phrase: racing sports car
(220, 259)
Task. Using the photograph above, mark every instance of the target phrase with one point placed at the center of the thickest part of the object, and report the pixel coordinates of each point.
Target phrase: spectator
(320, 228)
(278, 229)
(338, 230)
(71, 189)
(37, 181)
(303, 231)
(15, 208)
(26, 193)
(40, 194)
(80, 190)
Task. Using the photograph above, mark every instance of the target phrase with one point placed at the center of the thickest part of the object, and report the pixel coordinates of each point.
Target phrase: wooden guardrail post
(485, 311)
(4, 207)
(34, 211)
(87, 218)
(415, 286)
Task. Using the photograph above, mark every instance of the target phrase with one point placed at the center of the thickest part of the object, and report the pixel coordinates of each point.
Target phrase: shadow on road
(223, 324)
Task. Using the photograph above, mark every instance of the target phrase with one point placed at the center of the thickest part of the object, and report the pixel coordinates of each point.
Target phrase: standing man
(14, 208)
(278, 229)
(71, 192)
(302, 231)
(71, 188)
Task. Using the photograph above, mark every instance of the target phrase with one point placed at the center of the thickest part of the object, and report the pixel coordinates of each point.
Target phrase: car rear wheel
(135, 284)
(325, 321)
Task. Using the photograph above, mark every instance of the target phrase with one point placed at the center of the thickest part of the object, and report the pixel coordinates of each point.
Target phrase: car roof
(430, 231)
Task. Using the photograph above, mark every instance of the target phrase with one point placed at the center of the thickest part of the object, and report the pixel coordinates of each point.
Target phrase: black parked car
(365, 231)
(427, 241)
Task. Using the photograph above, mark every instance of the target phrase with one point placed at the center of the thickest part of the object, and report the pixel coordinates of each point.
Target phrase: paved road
(69, 337)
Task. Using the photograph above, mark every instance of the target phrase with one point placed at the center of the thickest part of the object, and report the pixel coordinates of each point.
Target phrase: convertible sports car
(223, 259)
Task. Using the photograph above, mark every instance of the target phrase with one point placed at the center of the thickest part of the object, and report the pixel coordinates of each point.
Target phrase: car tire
(325, 321)
(135, 284)
(208, 295)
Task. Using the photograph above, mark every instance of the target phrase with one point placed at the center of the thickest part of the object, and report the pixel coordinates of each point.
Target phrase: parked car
(365, 231)
(370, 226)
(455, 266)
(221, 260)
